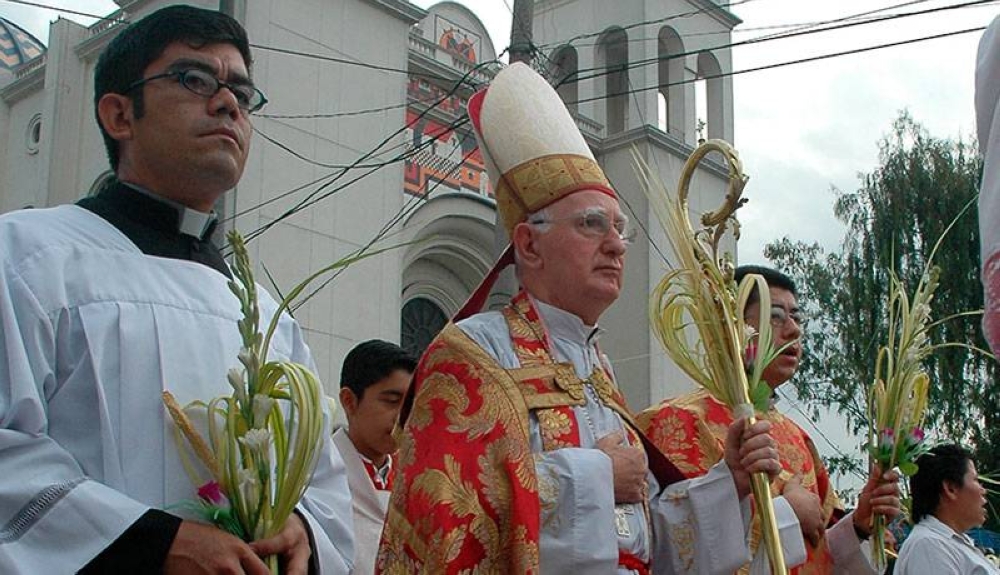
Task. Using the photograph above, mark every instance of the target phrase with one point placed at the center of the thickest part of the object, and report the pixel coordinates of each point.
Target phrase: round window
(33, 137)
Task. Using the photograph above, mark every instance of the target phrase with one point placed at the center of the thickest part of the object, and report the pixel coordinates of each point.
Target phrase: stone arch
(613, 83)
(454, 235)
(670, 74)
(710, 71)
(564, 65)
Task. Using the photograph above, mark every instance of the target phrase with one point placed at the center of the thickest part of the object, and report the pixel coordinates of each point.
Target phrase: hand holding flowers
(897, 401)
(264, 439)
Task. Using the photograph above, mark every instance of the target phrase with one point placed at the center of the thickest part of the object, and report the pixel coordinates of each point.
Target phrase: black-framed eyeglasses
(780, 317)
(594, 224)
(203, 83)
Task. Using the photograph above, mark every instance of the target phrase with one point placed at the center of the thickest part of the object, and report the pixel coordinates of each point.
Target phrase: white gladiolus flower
(249, 486)
(257, 440)
(247, 462)
(244, 356)
(235, 378)
(262, 406)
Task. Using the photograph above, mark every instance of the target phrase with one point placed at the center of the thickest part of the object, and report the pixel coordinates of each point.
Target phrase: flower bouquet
(727, 357)
(262, 441)
(897, 401)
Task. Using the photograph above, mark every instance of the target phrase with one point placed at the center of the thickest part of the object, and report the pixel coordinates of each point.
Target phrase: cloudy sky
(800, 129)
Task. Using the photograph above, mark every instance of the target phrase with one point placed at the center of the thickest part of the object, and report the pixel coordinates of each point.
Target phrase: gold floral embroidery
(603, 386)
(447, 486)
(682, 537)
(520, 329)
(539, 181)
(691, 428)
(552, 426)
(548, 492)
(426, 545)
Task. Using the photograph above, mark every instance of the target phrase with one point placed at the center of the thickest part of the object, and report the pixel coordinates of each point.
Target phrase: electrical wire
(602, 71)
(316, 195)
(408, 208)
(65, 10)
(791, 62)
(347, 61)
(648, 22)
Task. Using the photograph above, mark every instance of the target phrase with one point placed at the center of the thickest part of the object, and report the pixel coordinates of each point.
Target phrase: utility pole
(521, 48)
(520, 31)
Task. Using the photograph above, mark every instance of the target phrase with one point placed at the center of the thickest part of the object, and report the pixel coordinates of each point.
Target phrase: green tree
(893, 221)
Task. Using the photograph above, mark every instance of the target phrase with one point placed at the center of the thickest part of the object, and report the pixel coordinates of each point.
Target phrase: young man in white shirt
(373, 382)
(947, 501)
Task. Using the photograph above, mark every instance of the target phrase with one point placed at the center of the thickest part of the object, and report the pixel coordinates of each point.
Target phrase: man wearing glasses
(107, 303)
(690, 430)
(517, 453)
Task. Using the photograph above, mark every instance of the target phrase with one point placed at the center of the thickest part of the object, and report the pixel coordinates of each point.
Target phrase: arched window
(612, 56)
(565, 63)
(672, 118)
(710, 96)
(421, 321)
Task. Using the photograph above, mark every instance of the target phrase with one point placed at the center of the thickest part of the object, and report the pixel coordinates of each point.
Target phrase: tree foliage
(893, 221)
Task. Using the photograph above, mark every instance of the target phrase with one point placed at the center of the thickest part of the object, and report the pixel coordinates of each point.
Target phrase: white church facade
(365, 139)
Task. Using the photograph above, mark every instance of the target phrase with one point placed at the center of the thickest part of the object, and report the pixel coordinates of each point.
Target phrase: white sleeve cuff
(790, 533)
(846, 549)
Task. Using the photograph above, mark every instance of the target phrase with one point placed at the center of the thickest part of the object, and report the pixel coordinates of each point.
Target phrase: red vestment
(691, 431)
(466, 494)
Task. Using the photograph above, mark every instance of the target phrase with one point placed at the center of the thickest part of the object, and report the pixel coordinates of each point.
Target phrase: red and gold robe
(691, 431)
(466, 495)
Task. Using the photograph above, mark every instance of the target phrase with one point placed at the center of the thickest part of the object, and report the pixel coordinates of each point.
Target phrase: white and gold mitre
(533, 150)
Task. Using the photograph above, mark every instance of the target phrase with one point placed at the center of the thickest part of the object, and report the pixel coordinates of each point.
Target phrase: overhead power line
(63, 10)
(788, 63)
(787, 27)
(347, 61)
(323, 192)
(690, 14)
(603, 71)
(851, 17)
(408, 208)
(864, 17)
(409, 102)
(309, 201)
(404, 156)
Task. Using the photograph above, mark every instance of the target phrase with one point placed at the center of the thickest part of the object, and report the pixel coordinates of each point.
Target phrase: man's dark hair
(372, 361)
(773, 277)
(946, 462)
(126, 57)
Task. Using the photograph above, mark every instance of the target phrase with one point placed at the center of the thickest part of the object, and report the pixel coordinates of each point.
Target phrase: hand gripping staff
(698, 311)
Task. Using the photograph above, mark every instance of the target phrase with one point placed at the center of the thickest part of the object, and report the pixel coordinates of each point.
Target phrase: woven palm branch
(698, 311)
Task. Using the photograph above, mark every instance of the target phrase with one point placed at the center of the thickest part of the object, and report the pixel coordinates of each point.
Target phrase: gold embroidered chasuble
(466, 496)
(691, 431)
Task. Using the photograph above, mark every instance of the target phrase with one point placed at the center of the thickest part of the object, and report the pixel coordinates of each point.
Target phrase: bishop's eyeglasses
(594, 223)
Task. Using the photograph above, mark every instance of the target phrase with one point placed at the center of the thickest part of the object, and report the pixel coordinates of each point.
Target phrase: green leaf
(908, 468)
(760, 396)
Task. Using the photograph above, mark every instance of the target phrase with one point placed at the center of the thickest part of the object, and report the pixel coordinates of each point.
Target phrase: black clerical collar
(145, 207)
(172, 216)
(158, 227)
